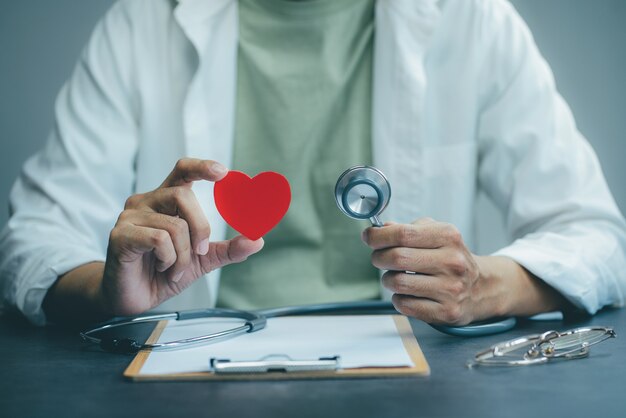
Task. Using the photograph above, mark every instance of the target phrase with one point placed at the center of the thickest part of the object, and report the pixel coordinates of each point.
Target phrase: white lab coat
(462, 101)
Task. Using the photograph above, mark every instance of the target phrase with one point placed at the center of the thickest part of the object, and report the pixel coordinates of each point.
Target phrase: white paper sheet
(361, 341)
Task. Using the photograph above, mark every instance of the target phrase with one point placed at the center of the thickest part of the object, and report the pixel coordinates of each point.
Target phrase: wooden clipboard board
(420, 368)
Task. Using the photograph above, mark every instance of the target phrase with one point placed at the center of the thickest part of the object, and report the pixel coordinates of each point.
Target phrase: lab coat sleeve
(68, 196)
(545, 177)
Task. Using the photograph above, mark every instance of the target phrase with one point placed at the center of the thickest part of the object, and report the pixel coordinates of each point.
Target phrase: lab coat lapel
(208, 113)
(209, 109)
(193, 16)
(403, 31)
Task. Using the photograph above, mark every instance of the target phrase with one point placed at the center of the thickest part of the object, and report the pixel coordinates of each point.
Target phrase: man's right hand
(160, 243)
(158, 247)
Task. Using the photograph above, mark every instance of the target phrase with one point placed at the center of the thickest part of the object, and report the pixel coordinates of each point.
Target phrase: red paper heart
(252, 206)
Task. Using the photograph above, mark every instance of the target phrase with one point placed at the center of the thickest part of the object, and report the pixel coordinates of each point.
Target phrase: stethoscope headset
(362, 193)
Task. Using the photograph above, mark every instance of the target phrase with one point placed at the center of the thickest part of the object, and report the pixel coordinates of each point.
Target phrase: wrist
(519, 292)
(75, 297)
(496, 280)
(98, 298)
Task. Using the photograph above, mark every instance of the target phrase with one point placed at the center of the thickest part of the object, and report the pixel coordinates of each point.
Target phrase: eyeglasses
(542, 348)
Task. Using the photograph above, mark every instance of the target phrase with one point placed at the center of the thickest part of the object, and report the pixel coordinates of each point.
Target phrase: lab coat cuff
(574, 282)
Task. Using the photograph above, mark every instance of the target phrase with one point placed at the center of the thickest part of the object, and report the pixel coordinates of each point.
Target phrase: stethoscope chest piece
(363, 192)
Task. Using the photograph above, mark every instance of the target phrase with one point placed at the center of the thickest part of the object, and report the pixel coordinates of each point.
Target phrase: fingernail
(176, 278)
(218, 169)
(203, 247)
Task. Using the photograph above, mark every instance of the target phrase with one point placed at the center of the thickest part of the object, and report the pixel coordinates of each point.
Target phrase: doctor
(445, 97)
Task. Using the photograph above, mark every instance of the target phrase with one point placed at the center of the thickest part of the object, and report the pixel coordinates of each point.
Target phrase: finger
(420, 308)
(429, 311)
(182, 202)
(424, 221)
(178, 231)
(188, 170)
(426, 235)
(421, 261)
(128, 240)
(365, 231)
(231, 251)
(415, 285)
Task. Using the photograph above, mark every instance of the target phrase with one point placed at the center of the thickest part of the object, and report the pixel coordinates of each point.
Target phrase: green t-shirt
(304, 110)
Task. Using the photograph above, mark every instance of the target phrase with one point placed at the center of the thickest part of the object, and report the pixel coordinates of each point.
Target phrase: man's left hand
(433, 276)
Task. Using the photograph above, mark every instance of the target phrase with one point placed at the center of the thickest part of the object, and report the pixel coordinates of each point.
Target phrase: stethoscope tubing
(252, 322)
(384, 307)
(257, 320)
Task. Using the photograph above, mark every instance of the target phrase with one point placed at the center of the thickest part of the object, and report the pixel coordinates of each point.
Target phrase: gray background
(583, 40)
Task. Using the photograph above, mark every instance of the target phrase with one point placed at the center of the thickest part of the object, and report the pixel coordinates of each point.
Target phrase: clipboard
(413, 350)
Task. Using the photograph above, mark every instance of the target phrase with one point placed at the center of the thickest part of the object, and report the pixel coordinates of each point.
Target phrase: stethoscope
(361, 192)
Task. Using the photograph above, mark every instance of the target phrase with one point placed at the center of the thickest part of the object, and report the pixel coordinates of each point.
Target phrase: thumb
(235, 250)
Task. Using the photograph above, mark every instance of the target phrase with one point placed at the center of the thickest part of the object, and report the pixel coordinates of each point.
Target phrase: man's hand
(160, 244)
(435, 278)
(158, 247)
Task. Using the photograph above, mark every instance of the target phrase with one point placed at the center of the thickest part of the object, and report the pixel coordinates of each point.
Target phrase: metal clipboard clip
(274, 363)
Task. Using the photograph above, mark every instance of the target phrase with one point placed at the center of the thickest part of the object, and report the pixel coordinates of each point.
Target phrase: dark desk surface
(47, 372)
